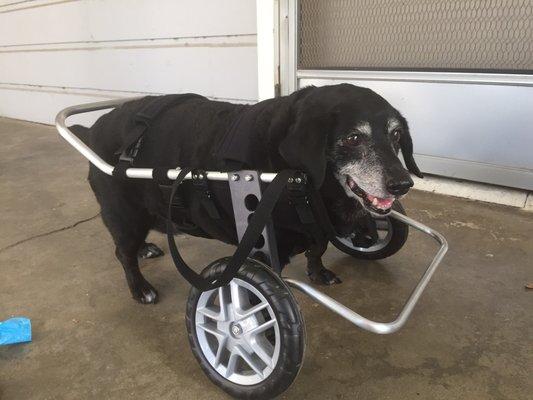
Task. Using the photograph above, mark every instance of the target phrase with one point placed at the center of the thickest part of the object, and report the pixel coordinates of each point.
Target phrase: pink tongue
(381, 203)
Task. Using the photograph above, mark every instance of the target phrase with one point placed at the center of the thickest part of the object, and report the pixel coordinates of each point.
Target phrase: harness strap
(319, 209)
(299, 197)
(201, 185)
(249, 239)
(145, 117)
(143, 122)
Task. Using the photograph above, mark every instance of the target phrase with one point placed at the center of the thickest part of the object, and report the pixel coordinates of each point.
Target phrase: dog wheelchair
(244, 325)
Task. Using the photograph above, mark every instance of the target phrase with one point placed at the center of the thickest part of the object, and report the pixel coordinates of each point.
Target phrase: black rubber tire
(400, 232)
(291, 324)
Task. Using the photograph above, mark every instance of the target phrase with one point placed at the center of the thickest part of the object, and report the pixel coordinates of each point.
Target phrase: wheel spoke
(232, 363)
(251, 311)
(236, 300)
(262, 354)
(212, 330)
(249, 360)
(263, 327)
(220, 350)
(223, 303)
(211, 313)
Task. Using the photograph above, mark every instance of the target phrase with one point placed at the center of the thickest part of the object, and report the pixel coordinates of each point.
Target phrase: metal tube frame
(327, 301)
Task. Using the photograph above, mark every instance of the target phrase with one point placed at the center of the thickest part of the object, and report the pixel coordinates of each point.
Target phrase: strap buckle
(199, 180)
(299, 197)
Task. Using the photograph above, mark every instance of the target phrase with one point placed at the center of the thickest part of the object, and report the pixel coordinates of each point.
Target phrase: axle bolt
(248, 178)
(234, 177)
(236, 330)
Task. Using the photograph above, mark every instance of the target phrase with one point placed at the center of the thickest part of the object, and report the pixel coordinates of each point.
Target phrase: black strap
(160, 175)
(249, 239)
(300, 198)
(144, 119)
(320, 211)
(311, 209)
(201, 185)
(120, 170)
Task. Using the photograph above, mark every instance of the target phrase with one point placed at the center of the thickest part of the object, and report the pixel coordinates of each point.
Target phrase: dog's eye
(396, 134)
(352, 140)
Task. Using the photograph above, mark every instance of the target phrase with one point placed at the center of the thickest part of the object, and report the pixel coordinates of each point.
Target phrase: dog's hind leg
(141, 290)
(128, 227)
(129, 240)
(315, 269)
(126, 216)
(128, 223)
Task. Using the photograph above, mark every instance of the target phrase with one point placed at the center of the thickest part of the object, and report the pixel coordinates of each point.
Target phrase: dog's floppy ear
(304, 147)
(406, 145)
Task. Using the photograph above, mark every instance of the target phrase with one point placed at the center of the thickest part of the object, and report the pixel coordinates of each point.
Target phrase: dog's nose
(398, 187)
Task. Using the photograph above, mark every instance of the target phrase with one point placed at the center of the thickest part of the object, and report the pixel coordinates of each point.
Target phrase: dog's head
(359, 134)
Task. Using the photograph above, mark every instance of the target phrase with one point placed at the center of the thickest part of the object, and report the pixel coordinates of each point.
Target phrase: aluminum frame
(97, 161)
(326, 301)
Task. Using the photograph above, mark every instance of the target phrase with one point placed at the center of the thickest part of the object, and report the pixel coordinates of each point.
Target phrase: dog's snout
(401, 186)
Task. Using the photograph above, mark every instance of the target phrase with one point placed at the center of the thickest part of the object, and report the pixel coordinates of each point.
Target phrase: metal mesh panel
(487, 35)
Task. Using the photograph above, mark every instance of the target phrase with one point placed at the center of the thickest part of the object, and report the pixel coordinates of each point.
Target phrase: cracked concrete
(75, 224)
(469, 338)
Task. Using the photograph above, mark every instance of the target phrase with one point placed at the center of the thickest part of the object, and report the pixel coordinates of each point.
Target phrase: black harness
(143, 122)
(302, 195)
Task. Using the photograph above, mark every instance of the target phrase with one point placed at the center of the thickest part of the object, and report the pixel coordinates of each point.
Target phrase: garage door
(459, 70)
(55, 53)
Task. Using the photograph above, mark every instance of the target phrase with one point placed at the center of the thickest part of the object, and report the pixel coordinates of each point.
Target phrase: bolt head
(234, 177)
(298, 180)
(248, 178)
(236, 330)
(290, 180)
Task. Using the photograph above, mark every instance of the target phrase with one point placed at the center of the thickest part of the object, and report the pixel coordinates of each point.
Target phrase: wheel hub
(236, 330)
(232, 322)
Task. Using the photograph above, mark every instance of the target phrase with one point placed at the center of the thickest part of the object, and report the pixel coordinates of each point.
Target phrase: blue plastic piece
(15, 330)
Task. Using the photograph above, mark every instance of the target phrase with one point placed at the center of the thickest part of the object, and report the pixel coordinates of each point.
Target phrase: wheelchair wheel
(248, 336)
(392, 235)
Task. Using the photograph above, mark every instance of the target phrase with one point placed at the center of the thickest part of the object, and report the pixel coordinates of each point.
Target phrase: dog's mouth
(373, 203)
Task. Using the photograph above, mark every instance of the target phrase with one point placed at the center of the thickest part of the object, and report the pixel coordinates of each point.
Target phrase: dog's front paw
(144, 293)
(150, 250)
(324, 277)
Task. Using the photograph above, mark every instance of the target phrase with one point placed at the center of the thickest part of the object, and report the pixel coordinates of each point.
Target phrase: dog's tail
(81, 132)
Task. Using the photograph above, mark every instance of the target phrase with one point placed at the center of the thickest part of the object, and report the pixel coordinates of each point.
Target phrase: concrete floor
(471, 336)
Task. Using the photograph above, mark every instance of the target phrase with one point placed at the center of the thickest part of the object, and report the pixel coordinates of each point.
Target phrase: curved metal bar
(401, 319)
(73, 139)
(96, 160)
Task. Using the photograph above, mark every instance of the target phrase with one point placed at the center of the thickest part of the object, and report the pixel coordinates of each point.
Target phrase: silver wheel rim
(238, 332)
(384, 228)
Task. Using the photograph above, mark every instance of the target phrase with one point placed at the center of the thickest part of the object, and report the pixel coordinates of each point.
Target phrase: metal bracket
(245, 187)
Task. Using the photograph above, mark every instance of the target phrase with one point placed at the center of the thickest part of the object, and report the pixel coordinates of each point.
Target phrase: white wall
(55, 53)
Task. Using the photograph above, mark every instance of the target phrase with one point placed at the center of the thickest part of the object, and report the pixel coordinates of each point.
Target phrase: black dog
(346, 138)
